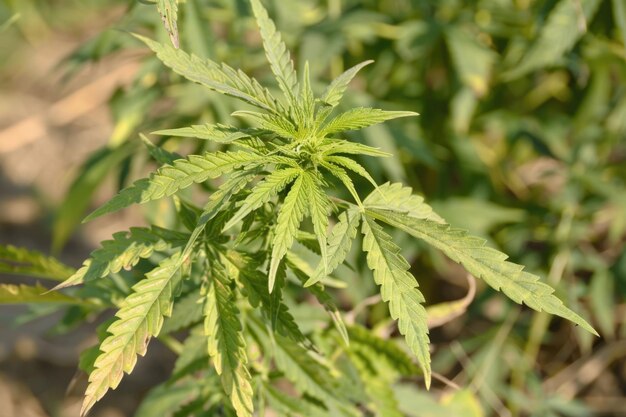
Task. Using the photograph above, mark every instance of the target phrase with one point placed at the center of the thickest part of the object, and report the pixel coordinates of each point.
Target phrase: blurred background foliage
(521, 139)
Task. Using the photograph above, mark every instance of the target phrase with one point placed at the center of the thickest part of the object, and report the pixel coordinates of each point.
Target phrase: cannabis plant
(223, 282)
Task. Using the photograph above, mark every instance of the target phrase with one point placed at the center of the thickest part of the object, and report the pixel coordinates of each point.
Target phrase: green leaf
(306, 110)
(272, 307)
(319, 209)
(213, 132)
(169, 179)
(217, 201)
(276, 52)
(360, 117)
(168, 9)
(398, 198)
(123, 252)
(308, 374)
(264, 192)
(335, 146)
(139, 318)
(343, 176)
(339, 244)
(290, 215)
(335, 90)
(226, 344)
(352, 165)
(157, 153)
(485, 263)
(566, 24)
(282, 127)
(389, 354)
(21, 261)
(399, 289)
(19, 294)
(217, 77)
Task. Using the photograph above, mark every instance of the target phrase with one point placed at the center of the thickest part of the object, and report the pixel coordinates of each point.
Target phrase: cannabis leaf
(399, 289)
(22, 261)
(287, 223)
(18, 294)
(485, 263)
(217, 77)
(359, 118)
(168, 9)
(339, 244)
(276, 52)
(123, 252)
(226, 344)
(139, 318)
(242, 264)
(334, 92)
(169, 179)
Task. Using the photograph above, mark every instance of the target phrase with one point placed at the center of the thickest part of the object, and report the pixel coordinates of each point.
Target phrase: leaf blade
(485, 263)
(399, 289)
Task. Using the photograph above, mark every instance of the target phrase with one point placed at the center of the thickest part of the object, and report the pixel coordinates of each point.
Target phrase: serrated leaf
(272, 307)
(276, 52)
(359, 118)
(399, 289)
(339, 244)
(168, 9)
(319, 209)
(343, 176)
(213, 132)
(19, 294)
(264, 192)
(290, 215)
(305, 111)
(308, 374)
(159, 154)
(22, 261)
(485, 263)
(278, 125)
(335, 90)
(337, 146)
(397, 197)
(139, 318)
(124, 251)
(226, 344)
(217, 77)
(352, 165)
(169, 179)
